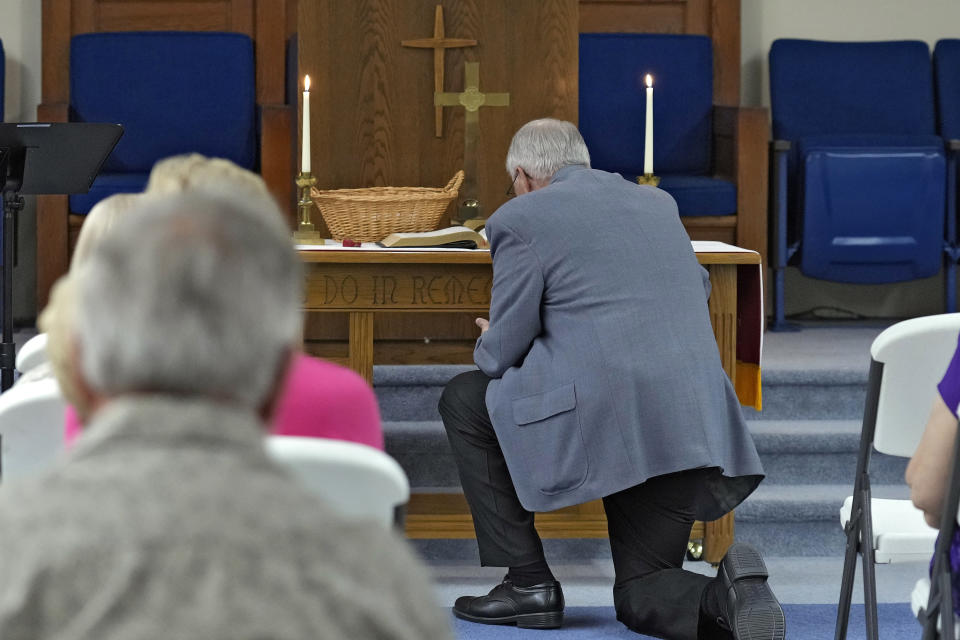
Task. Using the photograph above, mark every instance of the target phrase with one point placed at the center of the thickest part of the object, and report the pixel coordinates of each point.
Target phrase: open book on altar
(451, 237)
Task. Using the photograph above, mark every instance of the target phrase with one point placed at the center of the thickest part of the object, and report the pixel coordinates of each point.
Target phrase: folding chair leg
(860, 528)
(930, 627)
(779, 317)
(849, 572)
(779, 252)
(869, 571)
(931, 613)
(946, 607)
(950, 248)
(779, 322)
(950, 286)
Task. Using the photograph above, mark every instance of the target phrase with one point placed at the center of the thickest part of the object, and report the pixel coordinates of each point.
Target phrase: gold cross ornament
(471, 100)
(439, 43)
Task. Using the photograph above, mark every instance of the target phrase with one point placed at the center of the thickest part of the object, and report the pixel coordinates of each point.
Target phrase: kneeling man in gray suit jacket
(599, 377)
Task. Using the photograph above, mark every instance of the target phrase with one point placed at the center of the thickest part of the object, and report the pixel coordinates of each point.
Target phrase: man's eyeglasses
(512, 191)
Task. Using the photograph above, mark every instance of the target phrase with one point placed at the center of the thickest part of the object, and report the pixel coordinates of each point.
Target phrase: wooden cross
(439, 43)
(471, 99)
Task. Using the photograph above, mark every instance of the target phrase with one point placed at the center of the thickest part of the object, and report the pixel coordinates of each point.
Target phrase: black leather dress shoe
(752, 611)
(536, 607)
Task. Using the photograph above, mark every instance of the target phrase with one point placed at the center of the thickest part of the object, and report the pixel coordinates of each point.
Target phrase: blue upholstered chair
(174, 92)
(687, 156)
(859, 177)
(946, 68)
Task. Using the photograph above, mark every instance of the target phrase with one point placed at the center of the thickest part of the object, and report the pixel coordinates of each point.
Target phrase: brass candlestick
(648, 179)
(469, 210)
(306, 233)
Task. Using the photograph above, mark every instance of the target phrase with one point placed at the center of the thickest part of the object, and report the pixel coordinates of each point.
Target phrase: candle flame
(649, 80)
(306, 83)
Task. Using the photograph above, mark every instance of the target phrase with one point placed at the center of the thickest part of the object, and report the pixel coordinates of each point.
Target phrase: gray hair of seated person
(543, 147)
(191, 295)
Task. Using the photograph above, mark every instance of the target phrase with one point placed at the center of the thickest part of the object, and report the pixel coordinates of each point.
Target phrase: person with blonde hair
(188, 172)
(320, 399)
(102, 217)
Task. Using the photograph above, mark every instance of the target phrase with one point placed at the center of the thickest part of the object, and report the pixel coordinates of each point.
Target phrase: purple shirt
(950, 384)
(949, 388)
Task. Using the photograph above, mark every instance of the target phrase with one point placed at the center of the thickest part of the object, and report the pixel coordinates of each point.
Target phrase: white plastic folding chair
(907, 361)
(32, 353)
(31, 428)
(360, 482)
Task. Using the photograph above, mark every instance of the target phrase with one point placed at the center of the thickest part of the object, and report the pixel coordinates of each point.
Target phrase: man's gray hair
(195, 294)
(543, 147)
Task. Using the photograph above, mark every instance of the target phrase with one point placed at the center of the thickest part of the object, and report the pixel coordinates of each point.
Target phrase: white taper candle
(305, 157)
(648, 130)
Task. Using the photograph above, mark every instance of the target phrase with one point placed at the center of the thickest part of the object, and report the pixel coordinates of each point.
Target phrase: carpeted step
(818, 452)
(814, 386)
(780, 520)
(411, 392)
(795, 512)
(422, 449)
(800, 520)
(793, 453)
(818, 373)
(811, 394)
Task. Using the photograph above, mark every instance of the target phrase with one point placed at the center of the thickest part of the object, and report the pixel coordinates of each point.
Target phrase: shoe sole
(760, 616)
(548, 620)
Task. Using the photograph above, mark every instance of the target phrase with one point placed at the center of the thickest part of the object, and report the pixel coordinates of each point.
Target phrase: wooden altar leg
(361, 344)
(718, 535)
(723, 314)
(717, 538)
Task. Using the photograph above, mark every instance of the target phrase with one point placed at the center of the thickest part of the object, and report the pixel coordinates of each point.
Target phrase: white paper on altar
(712, 246)
(699, 246)
(373, 246)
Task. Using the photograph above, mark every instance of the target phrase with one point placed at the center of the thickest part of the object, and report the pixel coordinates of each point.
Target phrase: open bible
(451, 237)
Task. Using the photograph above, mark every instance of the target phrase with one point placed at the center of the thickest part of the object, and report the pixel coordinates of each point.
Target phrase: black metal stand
(12, 205)
(39, 158)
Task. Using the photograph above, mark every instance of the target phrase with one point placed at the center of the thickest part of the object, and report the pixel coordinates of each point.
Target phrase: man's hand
(484, 324)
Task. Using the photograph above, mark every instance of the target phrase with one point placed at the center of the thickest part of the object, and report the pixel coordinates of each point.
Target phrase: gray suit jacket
(604, 364)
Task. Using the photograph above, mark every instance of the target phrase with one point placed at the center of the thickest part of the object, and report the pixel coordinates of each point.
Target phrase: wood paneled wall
(372, 110)
(719, 19)
(373, 128)
(372, 118)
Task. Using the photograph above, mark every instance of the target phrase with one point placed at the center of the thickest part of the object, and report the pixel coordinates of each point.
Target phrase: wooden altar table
(365, 281)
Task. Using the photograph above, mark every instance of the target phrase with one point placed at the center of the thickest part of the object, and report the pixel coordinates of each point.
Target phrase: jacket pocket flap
(543, 405)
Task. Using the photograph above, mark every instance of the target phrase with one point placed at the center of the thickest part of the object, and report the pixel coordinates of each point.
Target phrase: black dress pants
(649, 524)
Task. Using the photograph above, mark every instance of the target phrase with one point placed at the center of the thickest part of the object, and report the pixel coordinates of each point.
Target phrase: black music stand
(42, 159)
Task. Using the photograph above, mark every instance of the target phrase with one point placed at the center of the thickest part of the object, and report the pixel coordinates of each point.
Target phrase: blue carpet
(804, 622)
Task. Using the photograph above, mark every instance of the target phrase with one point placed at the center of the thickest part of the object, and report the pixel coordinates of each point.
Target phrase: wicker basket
(371, 214)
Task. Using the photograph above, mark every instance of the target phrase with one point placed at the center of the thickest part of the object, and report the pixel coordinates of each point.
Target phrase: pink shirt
(320, 400)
